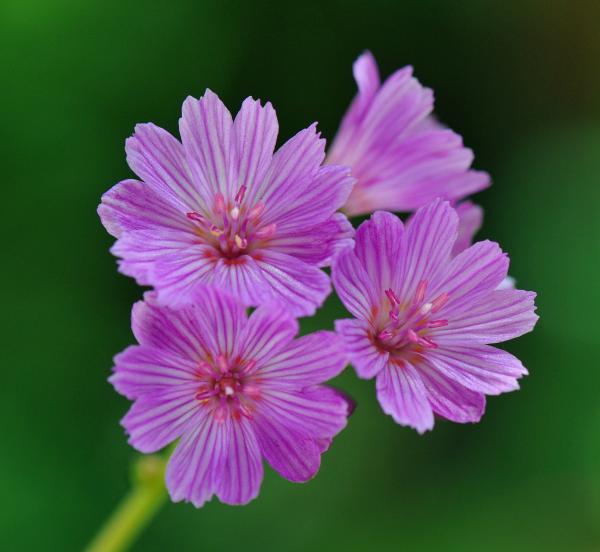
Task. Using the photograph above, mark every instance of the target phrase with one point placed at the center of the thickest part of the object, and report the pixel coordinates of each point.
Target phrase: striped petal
(242, 471)
(367, 359)
(426, 247)
(470, 276)
(140, 250)
(254, 134)
(450, 399)
(269, 331)
(497, 316)
(133, 205)
(196, 466)
(357, 291)
(159, 160)
(157, 419)
(379, 249)
(403, 395)
(206, 132)
(293, 168)
(141, 370)
(481, 368)
(309, 360)
(302, 287)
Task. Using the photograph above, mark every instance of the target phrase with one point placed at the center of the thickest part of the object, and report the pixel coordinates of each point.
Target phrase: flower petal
(449, 398)
(242, 471)
(157, 419)
(159, 160)
(139, 251)
(292, 428)
(367, 359)
(478, 367)
(269, 331)
(309, 360)
(379, 248)
(316, 245)
(254, 133)
(134, 205)
(300, 286)
(402, 395)
(141, 370)
(196, 465)
(312, 201)
(498, 316)
(242, 278)
(357, 291)
(206, 128)
(470, 276)
(177, 274)
(470, 219)
(169, 332)
(293, 168)
(426, 246)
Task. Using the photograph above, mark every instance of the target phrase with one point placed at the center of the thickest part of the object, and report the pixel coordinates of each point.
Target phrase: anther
(384, 334)
(437, 323)
(392, 297)
(266, 231)
(239, 197)
(219, 203)
(439, 302)
(420, 291)
(257, 210)
(196, 217)
(412, 336)
(222, 362)
(242, 243)
(235, 213)
(215, 230)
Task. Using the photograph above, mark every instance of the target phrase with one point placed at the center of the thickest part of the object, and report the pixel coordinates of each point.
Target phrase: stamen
(420, 291)
(222, 362)
(394, 316)
(215, 230)
(392, 297)
(384, 334)
(439, 302)
(426, 342)
(266, 231)
(242, 243)
(219, 203)
(437, 323)
(235, 213)
(257, 210)
(412, 336)
(239, 197)
(249, 367)
(204, 367)
(425, 308)
(229, 390)
(196, 217)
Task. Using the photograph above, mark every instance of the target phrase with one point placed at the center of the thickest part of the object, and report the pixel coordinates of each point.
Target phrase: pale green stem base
(136, 509)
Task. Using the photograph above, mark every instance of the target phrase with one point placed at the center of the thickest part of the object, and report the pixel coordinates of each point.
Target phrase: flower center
(408, 324)
(234, 227)
(225, 386)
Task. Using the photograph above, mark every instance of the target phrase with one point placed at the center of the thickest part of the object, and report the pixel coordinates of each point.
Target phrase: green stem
(136, 509)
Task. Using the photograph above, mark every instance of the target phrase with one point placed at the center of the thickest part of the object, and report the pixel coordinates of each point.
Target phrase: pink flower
(221, 209)
(233, 389)
(424, 318)
(402, 159)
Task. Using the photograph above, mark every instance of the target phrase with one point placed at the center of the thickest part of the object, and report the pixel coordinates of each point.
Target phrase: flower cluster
(220, 221)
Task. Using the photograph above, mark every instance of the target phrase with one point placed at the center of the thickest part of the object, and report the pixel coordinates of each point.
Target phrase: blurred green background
(518, 79)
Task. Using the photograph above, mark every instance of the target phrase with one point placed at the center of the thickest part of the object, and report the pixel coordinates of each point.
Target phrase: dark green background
(519, 80)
